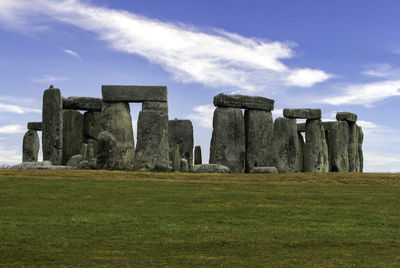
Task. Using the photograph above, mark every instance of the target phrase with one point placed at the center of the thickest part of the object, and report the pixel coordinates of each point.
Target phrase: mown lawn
(102, 218)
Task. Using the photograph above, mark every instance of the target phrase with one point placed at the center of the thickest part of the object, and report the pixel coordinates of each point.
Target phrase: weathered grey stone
(52, 126)
(35, 126)
(346, 116)
(83, 151)
(72, 134)
(329, 125)
(30, 146)
(301, 127)
(155, 105)
(116, 119)
(93, 163)
(353, 147)
(108, 156)
(84, 164)
(134, 93)
(315, 148)
(271, 170)
(152, 141)
(82, 103)
(305, 113)
(259, 128)
(210, 168)
(91, 143)
(75, 160)
(300, 138)
(197, 155)
(228, 146)
(176, 158)
(184, 165)
(244, 102)
(45, 165)
(360, 150)
(286, 148)
(337, 139)
(181, 132)
(92, 124)
(90, 152)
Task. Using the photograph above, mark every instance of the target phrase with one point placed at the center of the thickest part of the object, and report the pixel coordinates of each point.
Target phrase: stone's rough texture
(82, 103)
(337, 138)
(315, 148)
(155, 105)
(301, 127)
(302, 113)
(300, 138)
(360, 150)
(108, 156)
(181, 132)
(353, 147)
(244, 102)
(228, 146)
(116, 119)
(345, 116)
(210, 168)
(92, 124)
(329, 125)
(35, 126)
(90, 152)
(271, 170)
(93, 143)
(72, 134)
(74, 161)
(93, 163)
(38, 165)
(197, 155)
(84, 164)
(30, 146)
(134, 93)
(287, 152)
(83, 151)
(152, 141)
(52, 126)
(259, 128)
(176, 158)
(184, 165)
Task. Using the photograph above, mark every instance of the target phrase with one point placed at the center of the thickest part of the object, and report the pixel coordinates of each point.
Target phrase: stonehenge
(97, 133)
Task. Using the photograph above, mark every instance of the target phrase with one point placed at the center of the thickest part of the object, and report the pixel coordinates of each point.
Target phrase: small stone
(176, 158)
(184, 165)
(84, 164)
(302, 113)
(35, 126)
(346, 116)
(108, 156)
(134, 93)
(83, 150)
(30, 146)
(271, 170)
(244, 102)
(210, 168)
(82, 103)
(197, 155)
(74, 161)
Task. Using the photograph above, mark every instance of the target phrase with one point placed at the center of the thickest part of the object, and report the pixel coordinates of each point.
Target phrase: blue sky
(334, 55)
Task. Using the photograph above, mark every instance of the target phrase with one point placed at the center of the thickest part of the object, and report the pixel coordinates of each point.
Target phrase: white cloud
(10, 155)
(12, 108)
(203, 116)
(12, 129)
(277, 113)
(72, 53)
(49, 79)
(217, 59)
(383, 70)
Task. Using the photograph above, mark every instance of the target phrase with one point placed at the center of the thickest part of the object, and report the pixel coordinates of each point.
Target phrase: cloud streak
(72, 53)
(16, 109)
(216, 58)
(12, 129)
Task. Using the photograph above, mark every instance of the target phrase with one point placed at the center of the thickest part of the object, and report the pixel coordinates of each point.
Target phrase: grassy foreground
(103, 218)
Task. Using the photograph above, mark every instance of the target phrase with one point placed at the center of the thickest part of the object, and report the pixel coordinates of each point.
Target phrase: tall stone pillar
(351, 120)
(52, 136)
(316, 157)
(360, 150)
(181, 132)
(197, 155)
(30, 146)
(72, 134)
(337, 137)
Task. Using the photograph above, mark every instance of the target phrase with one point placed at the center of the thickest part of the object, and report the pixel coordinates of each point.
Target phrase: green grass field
(103, 218)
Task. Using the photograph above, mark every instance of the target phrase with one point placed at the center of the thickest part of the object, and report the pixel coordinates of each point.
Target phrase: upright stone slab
(305, 113)
(301, 127)
(152, 141)
(82, 103)
(360, 150)
(181, 132)
(176, 158)
(337, 138)
(197, 155)
(30, 146)
(52, 126)
(259, 128)
(315, 148)
(228, 146)
(116, 119)
(300, 138)
(108, 156)
(134, 93)
(244, 102)
(72, 134)
(92, 124)
(353, 147)
(287, 154)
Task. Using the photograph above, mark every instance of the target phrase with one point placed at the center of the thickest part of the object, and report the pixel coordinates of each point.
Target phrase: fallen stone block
(210, 168)
(134, 93)
(271, 170)
(82, 103)
(346, 116)
(302, 113)
(244, 102)
(75, 160)
(45, 165)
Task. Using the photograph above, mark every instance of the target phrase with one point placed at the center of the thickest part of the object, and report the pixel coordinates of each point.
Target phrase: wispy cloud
(72, 53)
(215, 58)
(203, 115)
(49, 79)
(383, 70)
(16, 109)
(12, 129)
(9, 155)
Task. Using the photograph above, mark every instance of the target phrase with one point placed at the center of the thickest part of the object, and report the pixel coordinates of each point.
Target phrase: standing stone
(184, 165)
(30, 146)
(353, 147)
(91, 143)
(181, 132)
(315, 148)
(176, 158)
(116, 119)
(52, 126)
(360, 150)
(197, 155)
(228, 145)
(108, 156)
(152, 141)
(83, 151)
(300, 138)
(72, 134)
(91, 124)
(90, 152)
(286, 148)
(259, 128)
(337, 138)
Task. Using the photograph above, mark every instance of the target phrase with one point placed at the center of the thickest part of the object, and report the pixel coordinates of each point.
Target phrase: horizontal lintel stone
(134, 93)
(302, 113)
(35, 126)
(346, 116)
(244, 102)
(82, 103)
